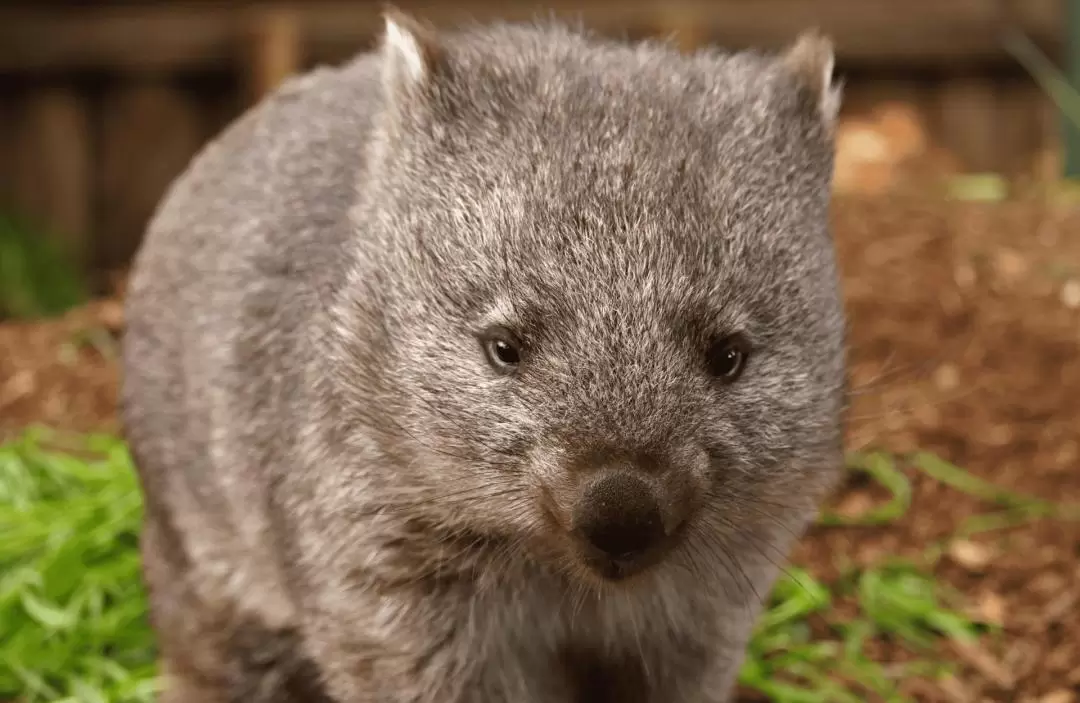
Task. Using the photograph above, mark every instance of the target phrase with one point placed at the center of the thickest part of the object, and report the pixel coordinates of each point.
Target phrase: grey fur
(341, 493)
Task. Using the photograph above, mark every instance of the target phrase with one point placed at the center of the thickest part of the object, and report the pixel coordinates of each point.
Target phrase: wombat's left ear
(811, 59)
(411, 53)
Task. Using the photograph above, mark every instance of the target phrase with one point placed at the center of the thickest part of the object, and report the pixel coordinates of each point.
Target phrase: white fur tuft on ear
(405, 49)
(812, 60)
(410, 51)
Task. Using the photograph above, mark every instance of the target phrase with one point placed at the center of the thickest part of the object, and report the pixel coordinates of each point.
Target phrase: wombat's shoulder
(253, 192)
(310, 119)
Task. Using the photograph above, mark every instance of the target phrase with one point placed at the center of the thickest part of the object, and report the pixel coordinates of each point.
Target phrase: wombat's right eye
(503, 351)
(726, 358)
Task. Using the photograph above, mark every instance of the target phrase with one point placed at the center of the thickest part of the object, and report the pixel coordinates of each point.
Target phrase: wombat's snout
(619, 516)
(621, 521)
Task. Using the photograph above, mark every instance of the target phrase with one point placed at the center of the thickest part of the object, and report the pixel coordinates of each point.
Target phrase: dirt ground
(965, 328)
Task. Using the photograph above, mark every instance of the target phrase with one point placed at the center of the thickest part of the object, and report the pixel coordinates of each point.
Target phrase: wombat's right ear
(811, 59)
(412, 54)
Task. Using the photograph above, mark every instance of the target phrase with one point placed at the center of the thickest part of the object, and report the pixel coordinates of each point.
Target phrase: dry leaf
(970, 555)
(1010, 265)
(990, 608)
(1070, 294)
(947, 377)
(855, 505)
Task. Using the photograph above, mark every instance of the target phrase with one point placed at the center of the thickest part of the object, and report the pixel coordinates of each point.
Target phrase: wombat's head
(608, 322)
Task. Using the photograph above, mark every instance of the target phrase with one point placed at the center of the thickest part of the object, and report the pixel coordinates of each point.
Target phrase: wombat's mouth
(620, 567)
(615, 569)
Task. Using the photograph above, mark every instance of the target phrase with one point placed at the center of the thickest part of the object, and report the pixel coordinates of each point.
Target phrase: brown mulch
(965, 337)
(965, 324)
(62, 372)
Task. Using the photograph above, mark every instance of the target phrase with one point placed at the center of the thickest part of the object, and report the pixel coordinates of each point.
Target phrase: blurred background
(103, 102)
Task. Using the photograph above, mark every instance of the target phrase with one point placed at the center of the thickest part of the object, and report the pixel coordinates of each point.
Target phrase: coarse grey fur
(346, 502)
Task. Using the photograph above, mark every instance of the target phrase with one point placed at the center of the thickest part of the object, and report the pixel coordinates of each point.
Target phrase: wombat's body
(496, 366)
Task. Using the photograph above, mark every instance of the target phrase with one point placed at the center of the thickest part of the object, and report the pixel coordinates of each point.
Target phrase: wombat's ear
(811, 59)
(412, 54)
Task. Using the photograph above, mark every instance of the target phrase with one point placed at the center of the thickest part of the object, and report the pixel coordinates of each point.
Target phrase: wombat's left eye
(502, 350)
(727, 356)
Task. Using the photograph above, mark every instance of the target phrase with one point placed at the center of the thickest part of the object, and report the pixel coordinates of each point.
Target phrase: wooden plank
(868, 32)
(869, 93)
(222, 103)
(885, 132)
(1050, 159)
(1071, 136)
(684, 28)
(968, 114)
(150, 131)
(1018, 127)
(275, 49)
(1047, 15)
(128, 38)
(53, 160)
(152, 37)
(901, 105)
(7, 147)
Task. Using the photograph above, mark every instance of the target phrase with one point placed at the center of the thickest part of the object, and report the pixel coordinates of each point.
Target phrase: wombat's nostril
(619, 516)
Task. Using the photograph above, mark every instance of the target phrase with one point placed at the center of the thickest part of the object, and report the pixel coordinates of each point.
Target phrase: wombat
(502, 362)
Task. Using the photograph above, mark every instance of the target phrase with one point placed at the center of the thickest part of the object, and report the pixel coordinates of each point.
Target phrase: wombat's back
(222, 293)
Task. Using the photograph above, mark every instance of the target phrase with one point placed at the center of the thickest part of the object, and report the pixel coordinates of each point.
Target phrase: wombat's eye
(503, 351)
(726, 357)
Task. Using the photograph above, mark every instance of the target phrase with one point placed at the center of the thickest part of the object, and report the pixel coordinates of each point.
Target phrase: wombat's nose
(619, 516)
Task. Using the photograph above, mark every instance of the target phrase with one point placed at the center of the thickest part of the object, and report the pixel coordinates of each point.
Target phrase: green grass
(72, 606)
(896, 600)
(73, 613)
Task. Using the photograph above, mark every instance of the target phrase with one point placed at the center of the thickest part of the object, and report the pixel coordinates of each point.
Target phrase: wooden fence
(102, 104)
